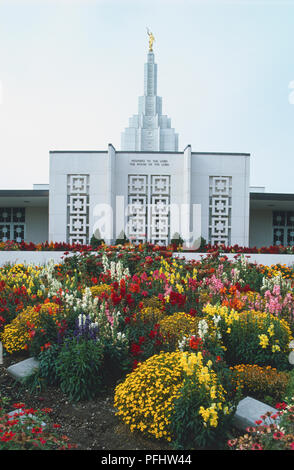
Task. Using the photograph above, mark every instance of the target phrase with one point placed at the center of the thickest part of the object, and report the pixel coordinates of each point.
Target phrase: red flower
(176, 298)
(195, 342)
(115, 298)
(281, 406)
(46, 410)
(256, 446)
(18, 405)
(135, 349)
(134, 288)
(37, 430)
(135, 364)
(12, 422)
(130, 300)
(7, 436)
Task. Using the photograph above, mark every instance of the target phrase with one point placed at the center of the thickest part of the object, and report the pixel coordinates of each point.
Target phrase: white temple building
(148, 190)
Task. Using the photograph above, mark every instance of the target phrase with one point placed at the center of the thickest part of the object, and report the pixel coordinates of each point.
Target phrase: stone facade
(149, 196)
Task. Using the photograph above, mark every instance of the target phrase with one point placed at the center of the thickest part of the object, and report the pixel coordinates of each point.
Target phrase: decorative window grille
(137, 207)
(12, 224)
(220, 208)
(283, 228)
(159, 223)
(149, 208)
(78, 209)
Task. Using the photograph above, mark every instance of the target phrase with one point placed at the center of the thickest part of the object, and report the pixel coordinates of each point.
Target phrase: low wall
(39, 258)
(259, 258)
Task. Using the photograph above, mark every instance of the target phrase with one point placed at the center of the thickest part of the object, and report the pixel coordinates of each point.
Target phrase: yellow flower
(264, 341)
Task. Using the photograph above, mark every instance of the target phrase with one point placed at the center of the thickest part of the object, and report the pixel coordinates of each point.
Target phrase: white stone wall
(63, 164)
(261, 228)
(190, 176)
(235, 167)
(36, 224)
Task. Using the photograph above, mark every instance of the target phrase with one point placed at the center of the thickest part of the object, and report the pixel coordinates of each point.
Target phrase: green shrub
(96, 242)
(78, 368)
(47, 364)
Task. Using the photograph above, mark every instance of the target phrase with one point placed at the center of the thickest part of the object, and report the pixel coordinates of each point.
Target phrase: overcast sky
(71, 72)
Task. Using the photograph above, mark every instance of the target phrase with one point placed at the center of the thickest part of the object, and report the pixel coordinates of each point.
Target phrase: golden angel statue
(151, 40)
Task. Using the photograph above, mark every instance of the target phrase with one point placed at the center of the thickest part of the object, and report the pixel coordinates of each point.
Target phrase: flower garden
(180, 343)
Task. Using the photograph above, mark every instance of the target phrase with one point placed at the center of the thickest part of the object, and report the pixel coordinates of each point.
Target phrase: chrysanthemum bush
(261, 382)
(175, 396)
(174, 327)
(33, 324)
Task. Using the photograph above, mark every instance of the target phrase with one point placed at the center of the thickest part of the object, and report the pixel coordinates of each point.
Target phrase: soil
(91, 425)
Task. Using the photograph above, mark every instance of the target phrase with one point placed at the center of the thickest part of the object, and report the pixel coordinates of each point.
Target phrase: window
(220, 208)
(283, 228)
(12, 224)
(149, 208)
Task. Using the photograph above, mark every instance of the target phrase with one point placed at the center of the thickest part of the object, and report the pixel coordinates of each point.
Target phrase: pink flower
(277, 435)
(256, 447)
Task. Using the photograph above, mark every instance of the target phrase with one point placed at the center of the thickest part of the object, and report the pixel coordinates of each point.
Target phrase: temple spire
(150, 130)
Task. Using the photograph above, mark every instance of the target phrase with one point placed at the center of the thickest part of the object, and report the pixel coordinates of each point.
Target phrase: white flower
(81, 319)
(182, 343)
(202, 328)
(216, 319)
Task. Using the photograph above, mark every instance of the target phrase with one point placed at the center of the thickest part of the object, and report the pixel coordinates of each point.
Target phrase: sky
(71, 73)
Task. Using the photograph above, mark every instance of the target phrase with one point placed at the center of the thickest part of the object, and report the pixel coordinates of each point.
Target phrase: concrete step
(249, 411)
(23, 369)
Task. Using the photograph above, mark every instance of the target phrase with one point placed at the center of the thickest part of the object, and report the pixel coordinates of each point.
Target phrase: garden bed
(141, 350)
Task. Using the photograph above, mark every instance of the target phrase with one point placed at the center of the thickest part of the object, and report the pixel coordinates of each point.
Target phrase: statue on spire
(151, 40)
